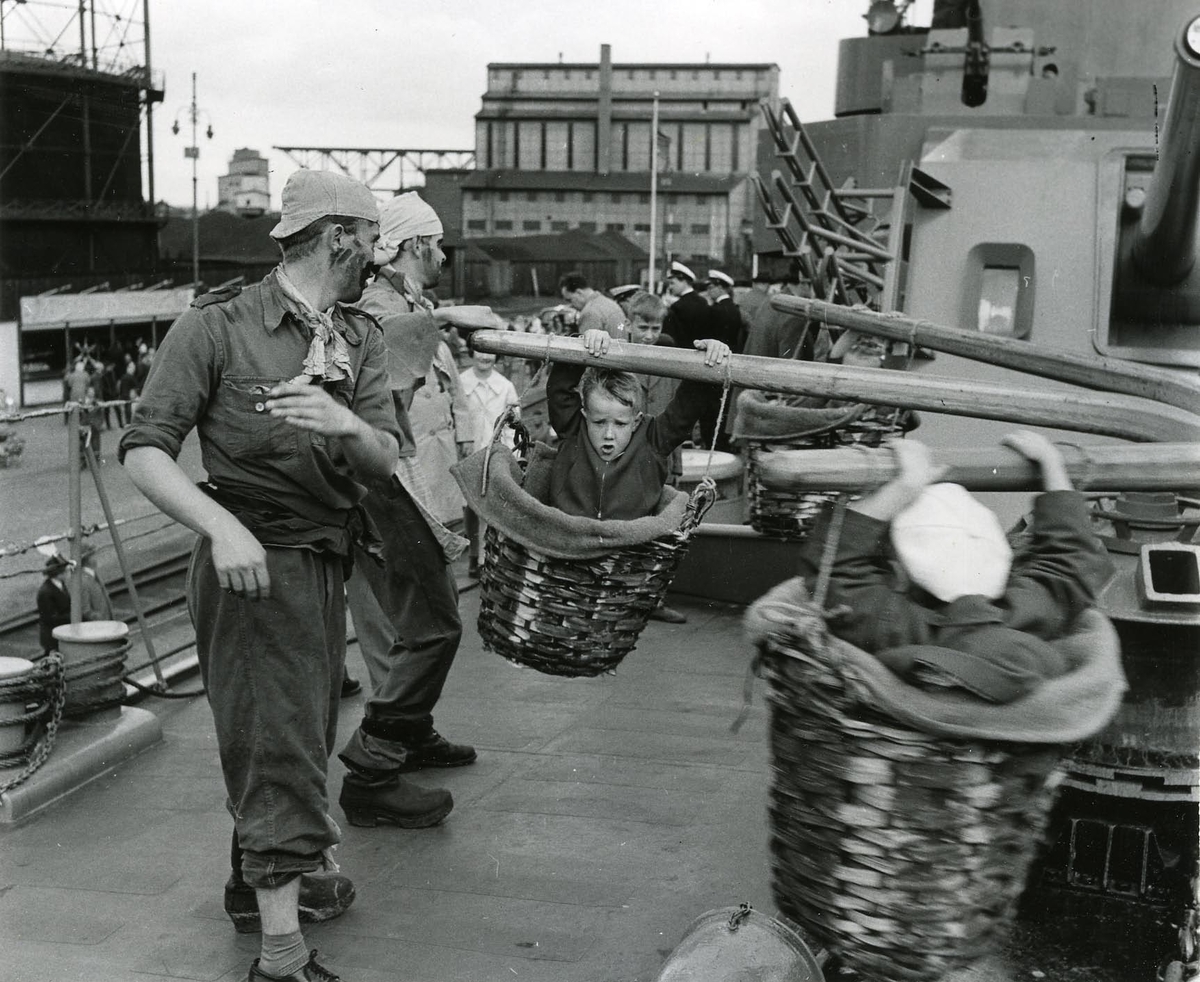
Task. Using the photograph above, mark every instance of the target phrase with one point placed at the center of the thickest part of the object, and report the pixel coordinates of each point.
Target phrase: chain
(53, 667)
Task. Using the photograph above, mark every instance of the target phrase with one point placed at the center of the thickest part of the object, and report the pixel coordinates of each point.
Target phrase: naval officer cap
(716, 276)
(310, 195)
(680, 270)
(622, 293)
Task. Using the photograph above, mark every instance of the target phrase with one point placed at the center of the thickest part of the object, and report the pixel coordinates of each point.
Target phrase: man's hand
(1035, 447)
(472, 317)
(596, 342)
(715, 352)
(310, 407)
(240, 562)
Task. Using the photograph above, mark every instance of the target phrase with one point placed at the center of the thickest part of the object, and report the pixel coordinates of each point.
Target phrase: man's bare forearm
(163, 481)
(371, 452)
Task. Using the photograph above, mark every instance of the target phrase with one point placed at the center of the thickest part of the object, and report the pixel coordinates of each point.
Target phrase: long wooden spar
(1107, 414)
(1132, 467)
(1089, 371)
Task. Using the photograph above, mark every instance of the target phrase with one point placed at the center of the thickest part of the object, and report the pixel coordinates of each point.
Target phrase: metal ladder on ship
(847, 253)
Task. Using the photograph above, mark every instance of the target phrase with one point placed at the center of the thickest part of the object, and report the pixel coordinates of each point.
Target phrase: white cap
(716, 274)
(951, 545)
(678, 269)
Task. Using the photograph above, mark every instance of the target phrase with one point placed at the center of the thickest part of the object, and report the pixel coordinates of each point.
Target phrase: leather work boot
(434, 750)
(311, 972)
(323, 897)
(391, 799)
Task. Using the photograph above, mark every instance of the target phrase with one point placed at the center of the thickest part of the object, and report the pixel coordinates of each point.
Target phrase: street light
(194, 113)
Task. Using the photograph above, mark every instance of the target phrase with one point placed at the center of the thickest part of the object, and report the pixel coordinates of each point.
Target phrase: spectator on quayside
(596, 311)
(127, 391)
(287, 386)
(406, 613)
(490, 395)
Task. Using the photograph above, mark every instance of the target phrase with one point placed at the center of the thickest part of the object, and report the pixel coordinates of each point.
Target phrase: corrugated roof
(543, 180)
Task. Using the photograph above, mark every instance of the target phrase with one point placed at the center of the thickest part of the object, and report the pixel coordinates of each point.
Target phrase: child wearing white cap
(957, 608)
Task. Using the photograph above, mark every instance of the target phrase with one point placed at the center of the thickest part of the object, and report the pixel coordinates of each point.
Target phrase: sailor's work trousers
(272, 670)
(406, 618)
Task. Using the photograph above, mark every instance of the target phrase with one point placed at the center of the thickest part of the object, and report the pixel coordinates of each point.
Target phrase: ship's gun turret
(1164, 245)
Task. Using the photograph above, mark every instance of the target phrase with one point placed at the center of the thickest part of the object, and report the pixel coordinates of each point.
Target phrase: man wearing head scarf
(406, 613)
(287, 387)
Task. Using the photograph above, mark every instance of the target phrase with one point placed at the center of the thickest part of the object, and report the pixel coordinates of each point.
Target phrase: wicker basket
(902, 852)
(576, 617)
(791, 514)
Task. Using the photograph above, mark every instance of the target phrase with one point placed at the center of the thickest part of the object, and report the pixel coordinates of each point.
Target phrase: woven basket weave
(902, 852)
(577, 617)
(791, 514)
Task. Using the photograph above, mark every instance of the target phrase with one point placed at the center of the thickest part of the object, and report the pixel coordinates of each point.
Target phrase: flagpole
(653, 190)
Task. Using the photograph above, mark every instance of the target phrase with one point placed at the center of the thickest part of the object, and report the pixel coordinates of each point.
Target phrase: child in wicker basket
(960, 611)
(613, 460)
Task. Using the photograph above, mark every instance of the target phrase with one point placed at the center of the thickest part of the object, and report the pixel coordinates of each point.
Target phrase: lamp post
(194, 113)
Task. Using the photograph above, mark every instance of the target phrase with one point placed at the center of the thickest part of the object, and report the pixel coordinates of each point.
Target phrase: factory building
(561, 147)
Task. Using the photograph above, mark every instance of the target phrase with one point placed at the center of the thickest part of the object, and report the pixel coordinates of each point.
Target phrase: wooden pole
(126, 570)
(75, 510)
(1100, 413)
(1089, 371)
(1145, 467)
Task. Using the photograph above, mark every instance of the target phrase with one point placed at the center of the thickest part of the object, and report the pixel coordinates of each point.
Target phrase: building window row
(671, 198)
(497, 78)
(561, 225)
(531, 144)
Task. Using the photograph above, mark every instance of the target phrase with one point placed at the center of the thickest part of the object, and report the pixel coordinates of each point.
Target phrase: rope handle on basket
(725, 387)
(704, 495)
(820, 629)
(521, 442)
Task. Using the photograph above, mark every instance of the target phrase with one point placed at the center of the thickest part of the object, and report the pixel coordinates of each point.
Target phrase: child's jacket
(630, 485)
(995, 648)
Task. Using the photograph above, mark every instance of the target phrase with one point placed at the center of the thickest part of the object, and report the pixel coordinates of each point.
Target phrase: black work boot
(323, 896)
(369, 798)
(434, 750)
(311, 971)
(423, 745)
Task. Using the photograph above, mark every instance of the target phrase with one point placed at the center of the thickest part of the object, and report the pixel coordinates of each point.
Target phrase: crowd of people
(331, 401)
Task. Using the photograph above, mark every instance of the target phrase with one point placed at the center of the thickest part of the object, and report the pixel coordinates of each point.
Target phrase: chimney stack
(604, 115)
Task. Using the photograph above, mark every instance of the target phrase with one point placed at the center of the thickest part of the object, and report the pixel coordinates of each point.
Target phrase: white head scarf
(406, 216)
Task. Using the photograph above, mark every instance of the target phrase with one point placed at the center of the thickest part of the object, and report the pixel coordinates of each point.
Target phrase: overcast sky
(392, 73)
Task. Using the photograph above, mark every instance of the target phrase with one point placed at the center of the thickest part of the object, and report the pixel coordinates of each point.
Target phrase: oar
(1106, 414)
(1089, 371)
(1141, 467)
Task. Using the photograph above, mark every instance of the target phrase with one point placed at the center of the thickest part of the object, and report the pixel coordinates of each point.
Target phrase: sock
(282, 954)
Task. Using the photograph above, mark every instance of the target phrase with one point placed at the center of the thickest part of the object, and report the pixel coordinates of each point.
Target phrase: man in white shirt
(489, 394)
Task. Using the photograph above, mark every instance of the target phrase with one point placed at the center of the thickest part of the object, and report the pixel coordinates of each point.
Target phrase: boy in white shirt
(489, 394)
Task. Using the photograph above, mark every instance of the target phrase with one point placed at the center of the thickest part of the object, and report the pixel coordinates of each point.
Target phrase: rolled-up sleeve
(185, 370)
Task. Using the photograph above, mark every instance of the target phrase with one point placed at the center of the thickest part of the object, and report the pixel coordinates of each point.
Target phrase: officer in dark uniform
(690, 319)
(718, 290)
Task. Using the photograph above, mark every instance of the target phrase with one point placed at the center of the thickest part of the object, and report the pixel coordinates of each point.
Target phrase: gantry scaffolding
(382, 169)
